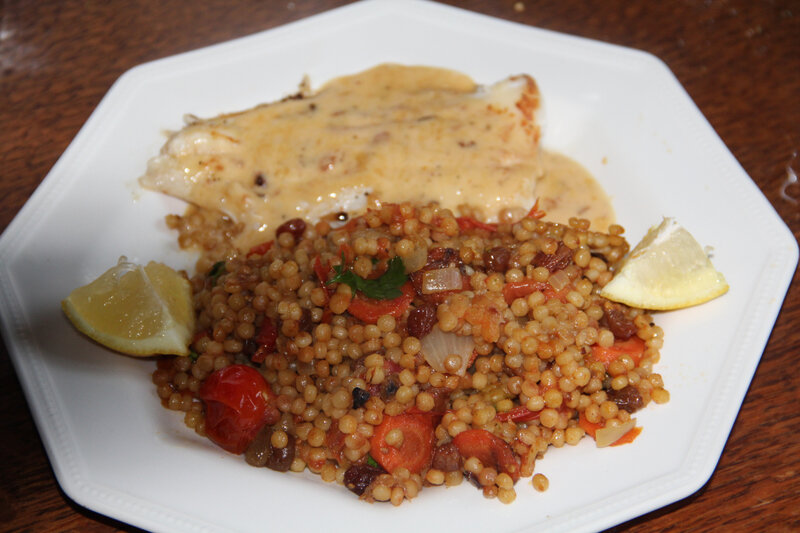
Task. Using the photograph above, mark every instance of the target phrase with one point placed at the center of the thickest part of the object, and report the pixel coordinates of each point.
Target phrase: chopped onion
(441, 279)
(558, 280)
(609, 435)
(438, 345)
(418, 258)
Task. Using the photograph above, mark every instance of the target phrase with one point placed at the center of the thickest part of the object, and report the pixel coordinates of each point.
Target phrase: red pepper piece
(535, 212)
(260, 249)
(468, 223)
(520, 289)
(267, 335)
(518, 414)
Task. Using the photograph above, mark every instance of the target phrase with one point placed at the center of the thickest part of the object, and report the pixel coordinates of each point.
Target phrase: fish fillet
(401, 133)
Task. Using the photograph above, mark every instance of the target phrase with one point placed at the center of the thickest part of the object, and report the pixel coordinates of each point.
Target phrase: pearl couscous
(408, 348)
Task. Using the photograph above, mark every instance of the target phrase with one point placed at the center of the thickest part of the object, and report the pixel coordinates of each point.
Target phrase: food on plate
(377, 302)
(404, 133)
(137, 310)
(668, 269)
(408, 347)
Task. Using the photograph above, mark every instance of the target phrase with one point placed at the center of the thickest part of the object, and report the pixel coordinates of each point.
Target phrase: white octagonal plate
(620, 112)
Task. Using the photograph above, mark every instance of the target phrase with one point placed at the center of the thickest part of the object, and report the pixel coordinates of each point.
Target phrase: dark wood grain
(738, 59)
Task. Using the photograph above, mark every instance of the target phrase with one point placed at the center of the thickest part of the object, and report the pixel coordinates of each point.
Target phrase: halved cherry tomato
(238, 403)
(489, 448)
(416, 450)
(370, 310)
(633, 347)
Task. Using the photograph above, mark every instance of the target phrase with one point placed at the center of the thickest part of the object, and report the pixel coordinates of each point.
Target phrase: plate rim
(31, 370)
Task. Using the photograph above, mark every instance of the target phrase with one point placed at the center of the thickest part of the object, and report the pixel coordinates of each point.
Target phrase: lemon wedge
(137, 310)
(668, 269)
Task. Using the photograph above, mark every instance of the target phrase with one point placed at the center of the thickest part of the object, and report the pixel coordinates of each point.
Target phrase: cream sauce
(567, 189)
(400, 133)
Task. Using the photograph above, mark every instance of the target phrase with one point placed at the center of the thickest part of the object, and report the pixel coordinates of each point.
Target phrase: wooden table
(738, 59)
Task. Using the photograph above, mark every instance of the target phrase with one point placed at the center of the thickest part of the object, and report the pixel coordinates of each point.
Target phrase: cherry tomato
(238, 403)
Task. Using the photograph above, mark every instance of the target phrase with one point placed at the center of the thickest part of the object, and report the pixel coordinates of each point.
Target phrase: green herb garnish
(386, 287)
(372, 462)
(216, 270)
(193, 355)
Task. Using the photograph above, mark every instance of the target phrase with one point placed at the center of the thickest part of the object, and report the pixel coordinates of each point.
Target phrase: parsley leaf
(386, 287)
(372, 462)
(216, 270)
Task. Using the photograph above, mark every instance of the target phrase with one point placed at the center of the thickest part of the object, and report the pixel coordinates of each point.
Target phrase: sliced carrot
(416, 450)
(633, 347)
(489, 448)
(370, 310)
(589, 427)
(628, 437)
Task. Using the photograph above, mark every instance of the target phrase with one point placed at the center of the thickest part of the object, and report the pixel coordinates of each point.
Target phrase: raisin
(360, 397)
(620, 325)
(305, 323)
(358, 477)
(421, 320)
(553, 262)
(628, 398)
(389, 388)
(496, 259)
(261, 452)
(257, 452)
(295, 226)
(249, 347)
(280, 459)
(441, 396)
(446, 458)
(473, 479)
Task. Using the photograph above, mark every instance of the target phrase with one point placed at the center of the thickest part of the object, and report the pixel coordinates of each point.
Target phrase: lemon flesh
(137, 310)
(668, 269)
